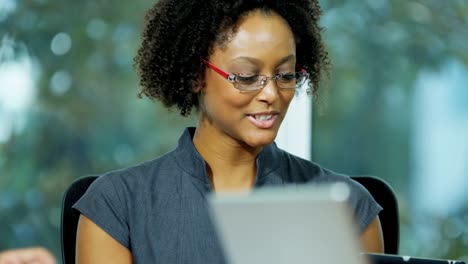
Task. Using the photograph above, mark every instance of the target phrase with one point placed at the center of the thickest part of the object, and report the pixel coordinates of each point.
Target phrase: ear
(197, 85)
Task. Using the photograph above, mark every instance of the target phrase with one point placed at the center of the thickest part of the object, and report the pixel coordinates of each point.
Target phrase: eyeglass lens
(256, 82)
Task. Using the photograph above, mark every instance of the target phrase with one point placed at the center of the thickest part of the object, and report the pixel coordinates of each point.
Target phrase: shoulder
(289, 167)
(311, 172)
(294, 169)
(162, 173)
(114, 198)
(363, 204)
(302, 170)
(298, 169)
(136, 176)
(129, 186)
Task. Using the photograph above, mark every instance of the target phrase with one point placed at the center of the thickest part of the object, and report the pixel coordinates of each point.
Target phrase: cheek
(227, 103)
(287, 97)
(220, 97)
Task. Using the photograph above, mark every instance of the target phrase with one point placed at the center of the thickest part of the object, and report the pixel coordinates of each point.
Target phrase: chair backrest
(379, 189)
(389, 217)
(70, 217)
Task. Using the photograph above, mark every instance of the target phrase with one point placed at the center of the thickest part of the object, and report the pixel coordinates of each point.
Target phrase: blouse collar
(189, 160)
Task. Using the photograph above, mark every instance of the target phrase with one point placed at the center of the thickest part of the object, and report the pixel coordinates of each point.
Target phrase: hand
(35, 255)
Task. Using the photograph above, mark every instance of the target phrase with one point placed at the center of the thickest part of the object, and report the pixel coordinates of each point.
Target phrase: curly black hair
(177, 33)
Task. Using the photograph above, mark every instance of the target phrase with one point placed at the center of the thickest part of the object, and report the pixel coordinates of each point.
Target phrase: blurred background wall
(396, 107)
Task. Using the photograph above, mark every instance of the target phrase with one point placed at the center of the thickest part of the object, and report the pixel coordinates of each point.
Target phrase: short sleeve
(363, 204)
(103, 205)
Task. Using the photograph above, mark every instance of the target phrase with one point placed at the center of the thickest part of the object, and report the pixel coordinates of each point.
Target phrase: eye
(286, 77)
(247, 79)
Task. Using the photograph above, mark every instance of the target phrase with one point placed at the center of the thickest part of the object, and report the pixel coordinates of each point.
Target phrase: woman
(239, 64)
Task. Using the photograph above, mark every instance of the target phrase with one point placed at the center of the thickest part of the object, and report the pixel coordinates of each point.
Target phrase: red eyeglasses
(256, 82)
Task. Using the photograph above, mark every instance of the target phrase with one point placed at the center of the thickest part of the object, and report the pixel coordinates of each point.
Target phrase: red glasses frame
(232, 77)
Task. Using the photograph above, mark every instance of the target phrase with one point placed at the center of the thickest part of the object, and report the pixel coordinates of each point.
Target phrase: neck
(231, 165)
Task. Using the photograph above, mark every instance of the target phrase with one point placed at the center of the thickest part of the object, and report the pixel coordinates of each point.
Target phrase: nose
(269, 92)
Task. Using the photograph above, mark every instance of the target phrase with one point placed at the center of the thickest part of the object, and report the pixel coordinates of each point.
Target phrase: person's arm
(94, 245)
(372, 238)
(36, 255)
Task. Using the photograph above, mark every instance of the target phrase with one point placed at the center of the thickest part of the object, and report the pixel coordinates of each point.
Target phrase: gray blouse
(159, 212)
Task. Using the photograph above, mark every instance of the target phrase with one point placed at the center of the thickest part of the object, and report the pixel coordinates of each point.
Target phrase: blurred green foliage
(363, 121)
(88, 122)
(86, 118)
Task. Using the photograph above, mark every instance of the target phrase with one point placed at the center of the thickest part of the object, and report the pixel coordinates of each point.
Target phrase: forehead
(259, 35)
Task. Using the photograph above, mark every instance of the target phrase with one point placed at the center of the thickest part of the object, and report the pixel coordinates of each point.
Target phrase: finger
(27, 255)
(38, 254)
(9, 257)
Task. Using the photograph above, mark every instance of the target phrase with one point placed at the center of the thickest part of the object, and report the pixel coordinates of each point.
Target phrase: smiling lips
(263, 120)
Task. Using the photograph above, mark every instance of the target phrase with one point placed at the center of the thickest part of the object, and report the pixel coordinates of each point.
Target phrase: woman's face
(264, 44)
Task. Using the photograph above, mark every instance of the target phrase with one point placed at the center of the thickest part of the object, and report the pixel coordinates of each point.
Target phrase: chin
(261, 139)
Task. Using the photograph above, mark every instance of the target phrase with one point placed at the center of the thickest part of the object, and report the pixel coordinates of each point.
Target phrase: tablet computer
(398, 259)
(293, 224)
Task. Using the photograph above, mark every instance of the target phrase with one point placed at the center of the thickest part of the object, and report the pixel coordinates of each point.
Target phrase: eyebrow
(259, 62)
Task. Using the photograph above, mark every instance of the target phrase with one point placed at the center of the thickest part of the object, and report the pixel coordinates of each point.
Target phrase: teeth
(263, 117)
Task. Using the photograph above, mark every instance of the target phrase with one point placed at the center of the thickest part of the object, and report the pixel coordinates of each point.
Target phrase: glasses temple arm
(216, 69)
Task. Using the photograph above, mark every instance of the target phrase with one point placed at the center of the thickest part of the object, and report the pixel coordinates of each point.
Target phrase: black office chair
(70, 216)
(389, 217)
(380, 190)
